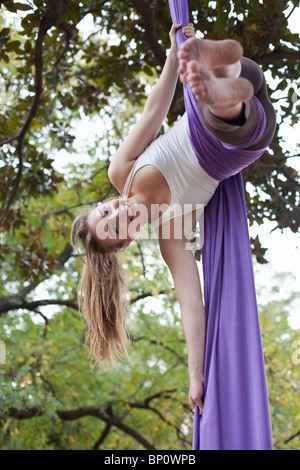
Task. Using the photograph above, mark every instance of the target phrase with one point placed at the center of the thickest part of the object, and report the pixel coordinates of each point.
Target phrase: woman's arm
(184, 270)
(155, 111)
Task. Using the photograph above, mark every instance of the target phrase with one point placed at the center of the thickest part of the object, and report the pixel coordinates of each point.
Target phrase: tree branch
(103, 412)
(277, 54)
(146, 406)
(56, 10)
(146, 294)
(284, 20)
(18, 300)
(292, 437)
(148, 17)
(102, 438)
(27, 413)
(13, 302)
(180, 359)
(66, 210)
(44, 302)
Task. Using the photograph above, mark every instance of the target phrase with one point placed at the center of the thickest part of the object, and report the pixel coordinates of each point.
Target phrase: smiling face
(110, 221)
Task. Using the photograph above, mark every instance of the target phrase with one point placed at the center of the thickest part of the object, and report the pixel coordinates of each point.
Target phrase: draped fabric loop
(236, 409)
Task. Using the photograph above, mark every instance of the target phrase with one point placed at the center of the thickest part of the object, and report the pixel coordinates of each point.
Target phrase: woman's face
(110, 221)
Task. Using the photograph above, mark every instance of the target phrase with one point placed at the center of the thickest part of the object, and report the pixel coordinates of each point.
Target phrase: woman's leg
(224, 90)
(254, 74)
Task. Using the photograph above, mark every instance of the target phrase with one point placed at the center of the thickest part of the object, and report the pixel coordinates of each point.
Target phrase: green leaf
(13, 46)
(10, 6)
(28, 46)
(148, 71)
(22, 6)
(5, 57)
(5, 32)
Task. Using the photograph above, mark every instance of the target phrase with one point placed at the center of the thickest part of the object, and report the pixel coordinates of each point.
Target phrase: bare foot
(211, 54)
(224, 96)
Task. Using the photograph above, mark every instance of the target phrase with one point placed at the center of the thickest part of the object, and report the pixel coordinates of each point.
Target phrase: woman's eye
(104, 212)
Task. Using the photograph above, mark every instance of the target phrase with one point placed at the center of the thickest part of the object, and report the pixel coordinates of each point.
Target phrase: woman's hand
(188, 31)
(196, 391)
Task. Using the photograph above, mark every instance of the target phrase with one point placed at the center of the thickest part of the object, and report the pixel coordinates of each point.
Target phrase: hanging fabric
(236, 409)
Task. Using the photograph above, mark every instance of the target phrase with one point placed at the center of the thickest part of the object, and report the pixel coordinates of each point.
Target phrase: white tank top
(190, 186)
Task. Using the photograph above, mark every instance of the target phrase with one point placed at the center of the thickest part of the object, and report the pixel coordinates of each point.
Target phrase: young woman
(161, 182)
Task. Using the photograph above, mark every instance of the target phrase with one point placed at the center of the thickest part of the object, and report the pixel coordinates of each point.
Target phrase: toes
(192, 66)
(182, 70)
(197, 86)
(205, 73)
(194, 78)
(186, 49)
(185, 46)
(182, 55)
(184, 77)
(198, 77)
(182, 65)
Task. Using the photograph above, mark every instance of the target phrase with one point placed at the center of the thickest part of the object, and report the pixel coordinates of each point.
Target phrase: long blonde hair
(102, 295)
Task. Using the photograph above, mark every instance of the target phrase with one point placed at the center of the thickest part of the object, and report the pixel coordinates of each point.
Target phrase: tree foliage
(49, 398)
(53, 75)
(282, 358)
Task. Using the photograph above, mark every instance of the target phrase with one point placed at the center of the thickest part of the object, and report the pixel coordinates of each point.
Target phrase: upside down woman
(153, 173)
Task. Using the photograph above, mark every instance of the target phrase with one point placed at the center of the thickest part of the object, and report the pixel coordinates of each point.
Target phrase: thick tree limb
(13, 302)
(148, 17)
(103, 412)
(27, 413)
(64, 256)
(277, 54)
(56, 10)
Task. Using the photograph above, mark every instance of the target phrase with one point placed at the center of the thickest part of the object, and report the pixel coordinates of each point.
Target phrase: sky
(283, 246)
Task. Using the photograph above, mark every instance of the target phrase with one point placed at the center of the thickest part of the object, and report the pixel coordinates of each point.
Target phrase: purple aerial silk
(236, 408)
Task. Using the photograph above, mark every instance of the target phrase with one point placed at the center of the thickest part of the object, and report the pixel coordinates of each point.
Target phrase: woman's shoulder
(118, 174)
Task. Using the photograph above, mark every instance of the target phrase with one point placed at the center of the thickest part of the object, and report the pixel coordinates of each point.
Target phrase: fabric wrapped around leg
(236, 409)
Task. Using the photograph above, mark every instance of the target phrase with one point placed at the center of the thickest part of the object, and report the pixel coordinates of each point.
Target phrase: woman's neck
(147, 207)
